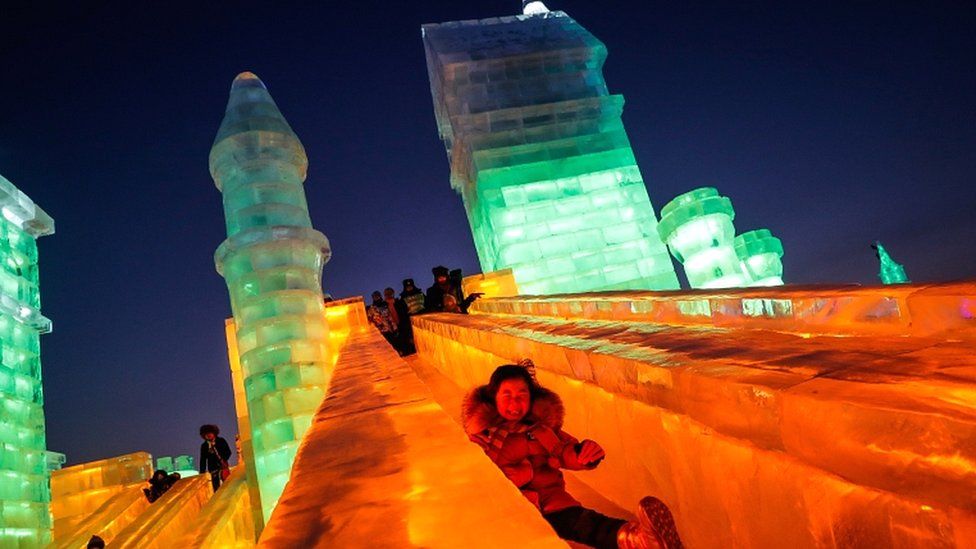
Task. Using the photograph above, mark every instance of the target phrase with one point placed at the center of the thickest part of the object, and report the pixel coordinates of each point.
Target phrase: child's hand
(590, 453)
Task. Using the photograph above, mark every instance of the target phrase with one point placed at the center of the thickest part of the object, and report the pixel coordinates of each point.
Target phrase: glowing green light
(25, 465)
(891, 272)
(540, 156)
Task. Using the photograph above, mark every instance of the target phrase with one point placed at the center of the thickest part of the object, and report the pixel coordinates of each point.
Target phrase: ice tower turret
(540, 156)
(697, 226)
(25, 520)
(272, 261)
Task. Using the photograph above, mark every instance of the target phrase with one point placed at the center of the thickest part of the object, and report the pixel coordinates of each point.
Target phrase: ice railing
(850, 310)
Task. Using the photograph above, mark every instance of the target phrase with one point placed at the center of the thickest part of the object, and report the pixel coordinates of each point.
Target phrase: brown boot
(653, 529)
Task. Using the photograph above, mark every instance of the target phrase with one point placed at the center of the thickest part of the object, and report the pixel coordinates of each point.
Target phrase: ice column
(698, 228)
(761, 255)
(25, 495)
(272, 262)
(540, 156)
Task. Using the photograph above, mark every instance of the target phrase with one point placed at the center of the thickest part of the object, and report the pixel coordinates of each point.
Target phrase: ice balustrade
(946, 309)
(540, 156)
(79, 490)
(756, 437)
(272, 262)
(25, 496)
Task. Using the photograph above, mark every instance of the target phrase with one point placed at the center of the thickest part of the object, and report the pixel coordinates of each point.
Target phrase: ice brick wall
(539, 154)
(272, 262)
(25, 519)
(820, 417)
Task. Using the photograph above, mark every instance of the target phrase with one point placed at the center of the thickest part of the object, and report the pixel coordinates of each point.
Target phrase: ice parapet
(540, 156)
(272, 262)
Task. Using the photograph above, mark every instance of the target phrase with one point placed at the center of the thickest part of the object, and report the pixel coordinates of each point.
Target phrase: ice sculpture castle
(539, 154)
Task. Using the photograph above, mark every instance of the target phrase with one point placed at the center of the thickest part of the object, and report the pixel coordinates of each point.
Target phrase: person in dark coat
(214, 453)
(412, 296)
(159, 484)
(444, 285)
(402, 319)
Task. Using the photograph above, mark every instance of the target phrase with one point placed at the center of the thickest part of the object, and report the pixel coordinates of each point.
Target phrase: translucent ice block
(539, 154)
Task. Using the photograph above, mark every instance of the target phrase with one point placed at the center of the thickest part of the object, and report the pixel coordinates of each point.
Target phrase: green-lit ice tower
(540, 156)
(272, 262)
(25, 495)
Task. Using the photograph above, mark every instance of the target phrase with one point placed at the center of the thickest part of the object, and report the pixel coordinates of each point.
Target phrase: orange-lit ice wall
(78, 490)
(494, 284)
(243, 426)
(226, 520)
(820, 417)
(342, 317)
(167, 520)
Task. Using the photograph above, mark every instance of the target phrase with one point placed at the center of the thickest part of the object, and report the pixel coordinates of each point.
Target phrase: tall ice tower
(272, 261)
(540, 156)
(25, 519)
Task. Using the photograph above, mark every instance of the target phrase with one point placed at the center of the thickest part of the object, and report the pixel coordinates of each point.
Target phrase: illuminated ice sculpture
(761, 256)
(698, 228)
(540, 156)
(272, 262)
(890, 271)
(25, 519)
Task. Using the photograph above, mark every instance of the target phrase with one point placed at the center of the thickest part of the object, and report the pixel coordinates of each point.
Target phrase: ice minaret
(890, 271)
(272, 262)
(25, 518)
(540, 157)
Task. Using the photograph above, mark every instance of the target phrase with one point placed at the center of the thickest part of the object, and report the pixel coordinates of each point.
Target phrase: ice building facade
(25, 519)
(272, 262)
(698, 228)
(540, 156)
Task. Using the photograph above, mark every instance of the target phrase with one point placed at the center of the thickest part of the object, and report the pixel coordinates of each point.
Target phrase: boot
(653, 529)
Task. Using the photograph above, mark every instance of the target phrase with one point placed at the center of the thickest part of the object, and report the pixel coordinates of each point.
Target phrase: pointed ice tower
(540, 156)
(272, 262)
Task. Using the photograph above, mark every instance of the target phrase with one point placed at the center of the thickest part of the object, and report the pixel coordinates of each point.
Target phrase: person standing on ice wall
(214, 453)
(518, 423)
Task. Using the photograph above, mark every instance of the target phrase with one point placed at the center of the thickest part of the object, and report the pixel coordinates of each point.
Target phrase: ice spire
(272, 262)
(890, 271)
(534, 7)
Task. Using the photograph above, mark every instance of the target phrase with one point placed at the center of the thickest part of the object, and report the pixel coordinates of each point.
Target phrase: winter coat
(158, 487)
(210, 460)
(531, 453)
(435, 297)
(379, 315)
(414, 300)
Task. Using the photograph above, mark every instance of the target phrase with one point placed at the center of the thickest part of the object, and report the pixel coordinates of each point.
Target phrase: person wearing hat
(214, 453)
(412, 296)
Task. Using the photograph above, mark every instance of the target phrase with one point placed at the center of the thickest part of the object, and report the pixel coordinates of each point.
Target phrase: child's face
(513, 399)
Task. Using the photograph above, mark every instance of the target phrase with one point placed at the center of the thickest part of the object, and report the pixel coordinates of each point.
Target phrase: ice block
(539, 154)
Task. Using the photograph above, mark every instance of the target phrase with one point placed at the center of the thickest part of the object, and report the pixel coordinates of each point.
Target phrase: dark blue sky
(831, 126)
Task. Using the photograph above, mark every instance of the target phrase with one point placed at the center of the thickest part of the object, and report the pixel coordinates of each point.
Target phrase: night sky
(831, 127)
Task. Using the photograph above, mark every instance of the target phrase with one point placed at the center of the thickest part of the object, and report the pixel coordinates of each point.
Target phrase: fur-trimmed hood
(478, 413)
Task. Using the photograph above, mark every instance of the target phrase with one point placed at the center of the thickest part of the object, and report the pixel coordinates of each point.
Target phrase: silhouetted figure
(159, 484)
(445, 284)
(214, 453)
(96, 543)
(412, 296)
(401, 317)
(379, 315)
